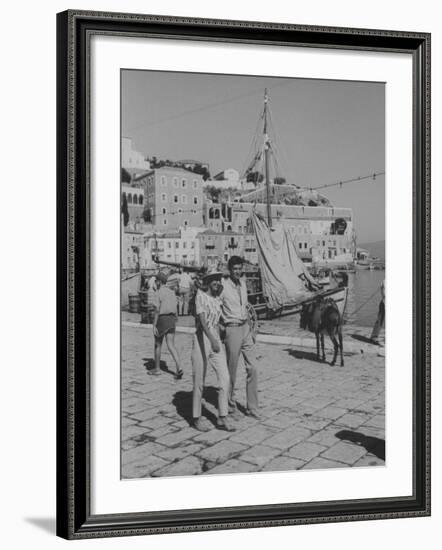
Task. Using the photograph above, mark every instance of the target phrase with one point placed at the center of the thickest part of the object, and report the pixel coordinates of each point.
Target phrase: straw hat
(209, 277)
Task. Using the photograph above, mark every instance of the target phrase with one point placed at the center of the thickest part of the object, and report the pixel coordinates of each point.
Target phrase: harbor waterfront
(363, 297)
(248, 305)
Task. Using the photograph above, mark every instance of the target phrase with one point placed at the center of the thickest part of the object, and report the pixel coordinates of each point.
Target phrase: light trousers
(183, 301)
(238, 342)
(202, 357)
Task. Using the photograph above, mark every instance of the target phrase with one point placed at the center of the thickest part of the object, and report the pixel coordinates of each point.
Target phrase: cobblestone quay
(313, 415)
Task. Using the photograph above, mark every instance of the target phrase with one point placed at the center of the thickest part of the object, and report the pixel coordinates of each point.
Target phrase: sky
(326, 131)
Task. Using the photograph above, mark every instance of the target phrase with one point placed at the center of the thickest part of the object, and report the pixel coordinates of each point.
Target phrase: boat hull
(339, 295)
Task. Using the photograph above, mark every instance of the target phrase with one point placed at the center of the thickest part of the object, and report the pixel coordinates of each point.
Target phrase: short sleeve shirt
(210, 306)
(234, 301)
(165, 301)
(185, 281)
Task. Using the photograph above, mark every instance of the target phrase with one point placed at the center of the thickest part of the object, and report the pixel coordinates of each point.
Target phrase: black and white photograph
(253, 274)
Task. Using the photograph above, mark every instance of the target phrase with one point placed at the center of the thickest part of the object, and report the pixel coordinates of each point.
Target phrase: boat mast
(266, 161)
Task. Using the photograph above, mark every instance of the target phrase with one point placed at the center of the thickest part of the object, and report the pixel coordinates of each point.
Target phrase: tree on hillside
(147, 215)
(279, 181)
(125, 176)
(124, 210)
(202, 171)
(256, 177)
(213, 193)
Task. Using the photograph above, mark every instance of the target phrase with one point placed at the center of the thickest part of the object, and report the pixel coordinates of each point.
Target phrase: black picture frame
(74, 518)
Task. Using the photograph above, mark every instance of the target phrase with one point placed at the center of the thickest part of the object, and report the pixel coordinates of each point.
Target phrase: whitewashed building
(131, 249)
(322, 233)
(181, 246)
(132, 161)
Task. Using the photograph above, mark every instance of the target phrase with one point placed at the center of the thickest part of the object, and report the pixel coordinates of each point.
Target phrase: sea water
(364, 295)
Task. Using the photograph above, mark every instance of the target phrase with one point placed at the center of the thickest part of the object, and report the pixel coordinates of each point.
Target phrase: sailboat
(282, 284)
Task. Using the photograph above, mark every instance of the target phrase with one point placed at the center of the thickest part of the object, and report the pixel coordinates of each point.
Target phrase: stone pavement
(313, 415)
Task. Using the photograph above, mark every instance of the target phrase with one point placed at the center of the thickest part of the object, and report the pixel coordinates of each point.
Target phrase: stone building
(181, 246)
(322, 233)
(173, 198)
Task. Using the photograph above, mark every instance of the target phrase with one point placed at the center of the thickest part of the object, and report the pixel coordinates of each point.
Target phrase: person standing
(164, 324)
(238, 335)
(208, 351)
(151, 300)
(185, 282)
(380, 320)
(152, 283)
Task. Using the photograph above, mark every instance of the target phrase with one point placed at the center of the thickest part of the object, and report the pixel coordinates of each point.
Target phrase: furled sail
(285, 280)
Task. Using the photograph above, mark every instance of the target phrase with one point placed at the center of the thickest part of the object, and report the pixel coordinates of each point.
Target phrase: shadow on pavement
(373, 445)
(182, 400)
(149, 364)
(363, 339)
(311, 356)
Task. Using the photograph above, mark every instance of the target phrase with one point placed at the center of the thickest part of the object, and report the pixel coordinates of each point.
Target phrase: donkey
(322, 317)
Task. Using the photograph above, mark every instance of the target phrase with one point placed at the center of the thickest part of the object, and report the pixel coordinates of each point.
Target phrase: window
(177, 244)
(305, 245)
(169, 244)
(140, 200)
(186, 223)
(195, 184)
(192, 244)
(195, 200)
(175, 198)
(164, 210)
(163, 180)
(300, 245)
(180, 210)
(184, 243)
(135, 199)
(184, 183)
(184, 199)
(164, 197)
(165, 221)
(175, 182)
(323, 243)
(129, 198)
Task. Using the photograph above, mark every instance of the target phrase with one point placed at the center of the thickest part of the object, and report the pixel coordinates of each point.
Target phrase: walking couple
(221, 305)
